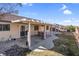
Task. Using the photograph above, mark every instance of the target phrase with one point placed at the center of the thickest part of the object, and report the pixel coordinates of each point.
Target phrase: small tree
(71, 28)
(8, 8)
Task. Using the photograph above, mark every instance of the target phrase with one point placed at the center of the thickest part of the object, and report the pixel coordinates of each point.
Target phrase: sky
(59, 13)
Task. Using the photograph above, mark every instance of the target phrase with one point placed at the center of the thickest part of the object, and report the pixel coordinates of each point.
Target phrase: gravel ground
(16, 51)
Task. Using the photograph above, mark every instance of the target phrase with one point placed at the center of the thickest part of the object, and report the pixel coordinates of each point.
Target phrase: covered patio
(42, 33)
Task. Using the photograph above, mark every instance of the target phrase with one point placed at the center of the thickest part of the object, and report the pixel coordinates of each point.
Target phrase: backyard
(65, 45)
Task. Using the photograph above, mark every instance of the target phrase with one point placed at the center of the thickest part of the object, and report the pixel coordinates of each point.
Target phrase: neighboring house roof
(59, 27)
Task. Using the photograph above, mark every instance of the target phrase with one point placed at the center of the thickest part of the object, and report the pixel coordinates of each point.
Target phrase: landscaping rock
(16, 51)
(2, 54)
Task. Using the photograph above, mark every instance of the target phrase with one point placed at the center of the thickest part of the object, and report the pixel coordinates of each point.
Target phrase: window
(0, 27)
(47, 28)
(4, 27)
(22, 28)
(36, 28)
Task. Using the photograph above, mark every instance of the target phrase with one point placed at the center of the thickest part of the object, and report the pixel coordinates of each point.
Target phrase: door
(22, 31)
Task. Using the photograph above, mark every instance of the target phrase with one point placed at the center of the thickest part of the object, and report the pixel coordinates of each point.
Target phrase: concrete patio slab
(45, 44)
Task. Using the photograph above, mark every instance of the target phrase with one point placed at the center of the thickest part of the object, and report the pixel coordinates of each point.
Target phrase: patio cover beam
(29, 35)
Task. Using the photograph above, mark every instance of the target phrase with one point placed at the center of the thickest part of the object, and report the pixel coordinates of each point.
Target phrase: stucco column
(44, 31)
(29, 35)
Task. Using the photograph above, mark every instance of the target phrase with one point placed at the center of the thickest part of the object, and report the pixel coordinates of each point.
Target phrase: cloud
(72, 21)
(67, 21)
(67, 12)
(63, 7)
(28, 4)
(24, 3)
(76, 24)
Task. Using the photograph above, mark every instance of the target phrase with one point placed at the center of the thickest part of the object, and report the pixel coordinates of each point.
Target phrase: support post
(49, 27)
(29, 35)
(49, 30)
(45, 32)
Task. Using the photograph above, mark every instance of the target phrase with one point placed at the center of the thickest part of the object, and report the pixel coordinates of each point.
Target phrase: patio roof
(25, 21)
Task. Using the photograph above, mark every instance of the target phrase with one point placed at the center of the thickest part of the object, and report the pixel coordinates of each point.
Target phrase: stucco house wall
(13, 33)
(4, 35)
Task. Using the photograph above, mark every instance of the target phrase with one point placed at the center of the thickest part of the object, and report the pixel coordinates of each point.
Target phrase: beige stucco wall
(4, 35)
(13, 33)
(41, 28)
(33, 32)
(14, 30)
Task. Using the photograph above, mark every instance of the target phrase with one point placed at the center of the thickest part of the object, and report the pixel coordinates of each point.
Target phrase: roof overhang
(25, 21)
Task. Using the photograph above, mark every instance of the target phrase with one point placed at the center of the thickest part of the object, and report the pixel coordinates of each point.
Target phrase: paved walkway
(45, 44)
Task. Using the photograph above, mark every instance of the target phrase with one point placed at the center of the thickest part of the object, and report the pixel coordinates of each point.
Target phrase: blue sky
(60, 13)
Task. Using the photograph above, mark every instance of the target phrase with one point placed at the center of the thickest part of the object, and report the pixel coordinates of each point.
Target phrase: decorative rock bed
(16, 51)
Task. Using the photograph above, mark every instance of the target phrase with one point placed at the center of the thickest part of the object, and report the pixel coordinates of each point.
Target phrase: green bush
(70, 28)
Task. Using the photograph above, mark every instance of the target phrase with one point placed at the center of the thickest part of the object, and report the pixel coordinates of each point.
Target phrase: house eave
(5, 21)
